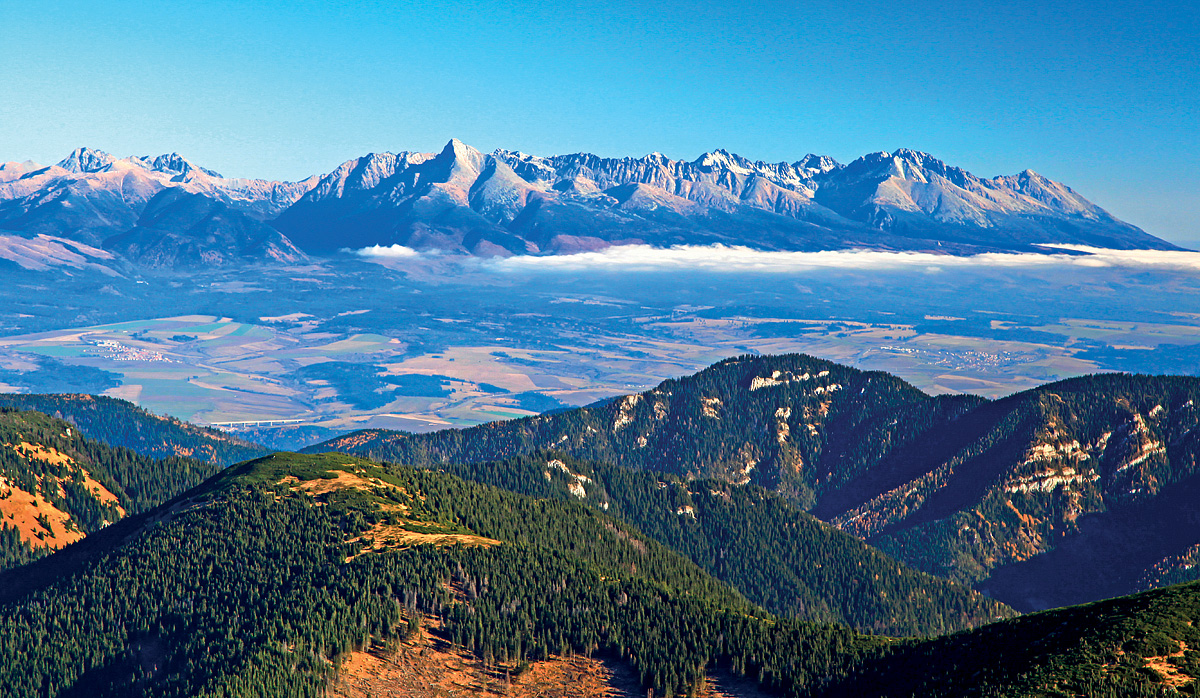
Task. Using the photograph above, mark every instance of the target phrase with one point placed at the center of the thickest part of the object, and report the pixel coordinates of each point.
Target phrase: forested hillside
(1143, 645)
(760, 543)
(796, 424)
(1030, 489)
(1071, 492)
(266, 578)
(121, 423)
(259, 582)
(56, 486)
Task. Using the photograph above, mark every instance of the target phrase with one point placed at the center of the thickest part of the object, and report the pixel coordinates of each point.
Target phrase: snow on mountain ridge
(914, 182)
(508, 202)
(91, 195)
(175, 164)
(82, 160)
(717, 167)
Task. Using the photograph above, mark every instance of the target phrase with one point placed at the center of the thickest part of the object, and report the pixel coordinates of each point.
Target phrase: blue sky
(1102, 96)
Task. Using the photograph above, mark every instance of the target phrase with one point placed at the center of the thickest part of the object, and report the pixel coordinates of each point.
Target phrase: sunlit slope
(56, 486)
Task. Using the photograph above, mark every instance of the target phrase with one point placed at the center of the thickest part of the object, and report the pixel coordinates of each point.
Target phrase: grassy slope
(73, 484)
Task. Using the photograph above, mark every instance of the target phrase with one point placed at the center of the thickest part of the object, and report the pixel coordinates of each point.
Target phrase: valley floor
(420, 349)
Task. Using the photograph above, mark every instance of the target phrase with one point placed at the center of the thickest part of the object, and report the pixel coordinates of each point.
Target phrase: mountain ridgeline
(120, 423)
(165, 212)
(271, 576)
(1017, 496)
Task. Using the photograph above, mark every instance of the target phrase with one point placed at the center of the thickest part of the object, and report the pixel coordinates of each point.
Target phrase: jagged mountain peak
(820, 163)
(902, 155)
(906, 164)
(92, 195)
(914, 155)
(462, 159)
(176, 165)
(83, 160)
(723, 159)
(456, 146)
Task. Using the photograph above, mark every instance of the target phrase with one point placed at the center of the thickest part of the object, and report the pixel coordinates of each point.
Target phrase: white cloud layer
(745, 259)
(718, 258)
(392, 252)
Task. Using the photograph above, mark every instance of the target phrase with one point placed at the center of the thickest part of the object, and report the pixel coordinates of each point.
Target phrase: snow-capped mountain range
(166, 211)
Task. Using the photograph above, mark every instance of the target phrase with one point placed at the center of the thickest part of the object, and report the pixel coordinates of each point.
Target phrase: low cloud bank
(718, 258)
(391, 252)
(745, 259)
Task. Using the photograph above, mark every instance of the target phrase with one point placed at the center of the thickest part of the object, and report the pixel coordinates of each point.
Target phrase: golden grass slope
(35, 518)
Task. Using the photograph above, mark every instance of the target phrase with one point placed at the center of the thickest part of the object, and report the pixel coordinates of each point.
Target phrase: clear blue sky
(1100, 95)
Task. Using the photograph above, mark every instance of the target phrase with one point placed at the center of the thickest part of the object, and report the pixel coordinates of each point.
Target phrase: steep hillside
(1094, 474)
(267, 577)
(777, 556)
(1073, 491)
(57, 486)
(1143, 645)
(281, 577)
(121, 423)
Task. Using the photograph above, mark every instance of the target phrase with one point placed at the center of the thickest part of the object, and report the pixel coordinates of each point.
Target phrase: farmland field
(349, 344)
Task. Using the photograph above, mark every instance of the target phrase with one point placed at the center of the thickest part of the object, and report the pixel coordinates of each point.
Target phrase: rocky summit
(165, 211)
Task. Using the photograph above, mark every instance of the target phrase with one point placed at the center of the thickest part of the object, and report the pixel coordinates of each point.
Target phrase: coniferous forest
(131, 575)
(263, 579)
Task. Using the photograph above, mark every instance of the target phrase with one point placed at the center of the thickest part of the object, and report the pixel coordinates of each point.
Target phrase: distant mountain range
(168, 212)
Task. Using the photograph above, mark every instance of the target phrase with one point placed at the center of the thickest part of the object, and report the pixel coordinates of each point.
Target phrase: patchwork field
(217, 371)
(348, 346)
